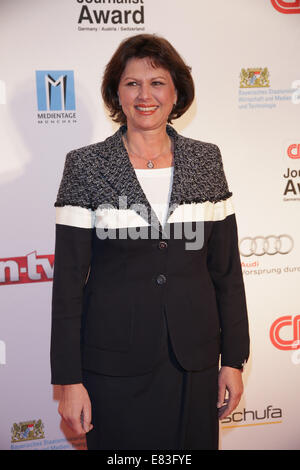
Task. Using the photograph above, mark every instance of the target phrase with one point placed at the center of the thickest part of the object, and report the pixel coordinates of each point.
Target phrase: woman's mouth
(146, 109)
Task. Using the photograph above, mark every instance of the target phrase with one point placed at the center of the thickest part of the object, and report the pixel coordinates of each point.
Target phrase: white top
(157, 186)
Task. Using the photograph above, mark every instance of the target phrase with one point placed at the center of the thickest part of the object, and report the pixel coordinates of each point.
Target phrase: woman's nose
(145, 92)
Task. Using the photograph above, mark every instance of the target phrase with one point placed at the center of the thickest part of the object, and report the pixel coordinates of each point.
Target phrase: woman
(148, 289)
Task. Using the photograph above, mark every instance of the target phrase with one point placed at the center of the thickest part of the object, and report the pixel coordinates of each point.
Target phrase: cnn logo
(276, 333)
(293, 151)
(286, 6)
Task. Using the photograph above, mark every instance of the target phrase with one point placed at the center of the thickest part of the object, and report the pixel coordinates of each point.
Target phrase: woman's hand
(230, 380)
(75, 408)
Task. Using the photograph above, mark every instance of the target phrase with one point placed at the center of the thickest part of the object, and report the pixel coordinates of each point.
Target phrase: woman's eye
(157, 83)
(131, 83)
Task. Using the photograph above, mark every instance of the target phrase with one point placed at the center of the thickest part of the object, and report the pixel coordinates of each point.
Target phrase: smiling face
(147, 95)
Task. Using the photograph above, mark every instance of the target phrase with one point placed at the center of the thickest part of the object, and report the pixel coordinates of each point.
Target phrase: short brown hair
(161, 53)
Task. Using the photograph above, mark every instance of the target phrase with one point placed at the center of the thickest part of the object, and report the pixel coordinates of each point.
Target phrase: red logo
(29, 268)
(276, 333)
(286, 6)
(293, 151)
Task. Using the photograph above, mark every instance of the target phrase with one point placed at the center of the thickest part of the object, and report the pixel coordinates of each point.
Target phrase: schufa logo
(286, 327)
(283, 6)
(29, 268)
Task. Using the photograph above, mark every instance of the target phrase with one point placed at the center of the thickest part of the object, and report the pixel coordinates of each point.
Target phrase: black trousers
(168, 408)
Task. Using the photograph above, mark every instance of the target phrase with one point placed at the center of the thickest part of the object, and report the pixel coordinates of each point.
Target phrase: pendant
(150, 164)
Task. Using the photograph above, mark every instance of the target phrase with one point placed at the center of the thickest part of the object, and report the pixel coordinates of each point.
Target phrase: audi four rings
(270, 245)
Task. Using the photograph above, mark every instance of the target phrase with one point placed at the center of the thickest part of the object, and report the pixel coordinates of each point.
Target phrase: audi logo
(270, 245)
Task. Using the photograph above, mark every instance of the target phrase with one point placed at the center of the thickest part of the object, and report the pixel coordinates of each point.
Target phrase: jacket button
(161, 279)
(162, 245)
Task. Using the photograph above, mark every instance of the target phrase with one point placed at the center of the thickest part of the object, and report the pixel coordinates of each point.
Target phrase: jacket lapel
(119, 174)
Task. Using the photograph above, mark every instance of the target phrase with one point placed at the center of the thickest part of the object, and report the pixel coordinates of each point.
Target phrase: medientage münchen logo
(55, 90)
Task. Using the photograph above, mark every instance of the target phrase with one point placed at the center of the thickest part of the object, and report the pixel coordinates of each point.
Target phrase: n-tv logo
(55, 90)
(25, 269)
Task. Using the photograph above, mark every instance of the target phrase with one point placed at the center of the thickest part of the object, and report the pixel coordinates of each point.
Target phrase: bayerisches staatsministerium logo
(255, 90)
(254, 77)
(55, 96)
(27, 431)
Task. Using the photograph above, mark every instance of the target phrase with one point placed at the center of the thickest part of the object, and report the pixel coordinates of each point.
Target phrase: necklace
(150, 162)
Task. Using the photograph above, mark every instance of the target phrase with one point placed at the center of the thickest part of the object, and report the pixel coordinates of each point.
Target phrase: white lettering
(296, 93)
(33, 262)
(2, 352)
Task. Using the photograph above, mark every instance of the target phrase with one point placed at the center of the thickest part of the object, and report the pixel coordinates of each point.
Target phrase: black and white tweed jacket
(117, 271)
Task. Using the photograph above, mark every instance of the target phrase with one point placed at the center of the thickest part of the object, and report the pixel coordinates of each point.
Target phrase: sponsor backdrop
(244, 56)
